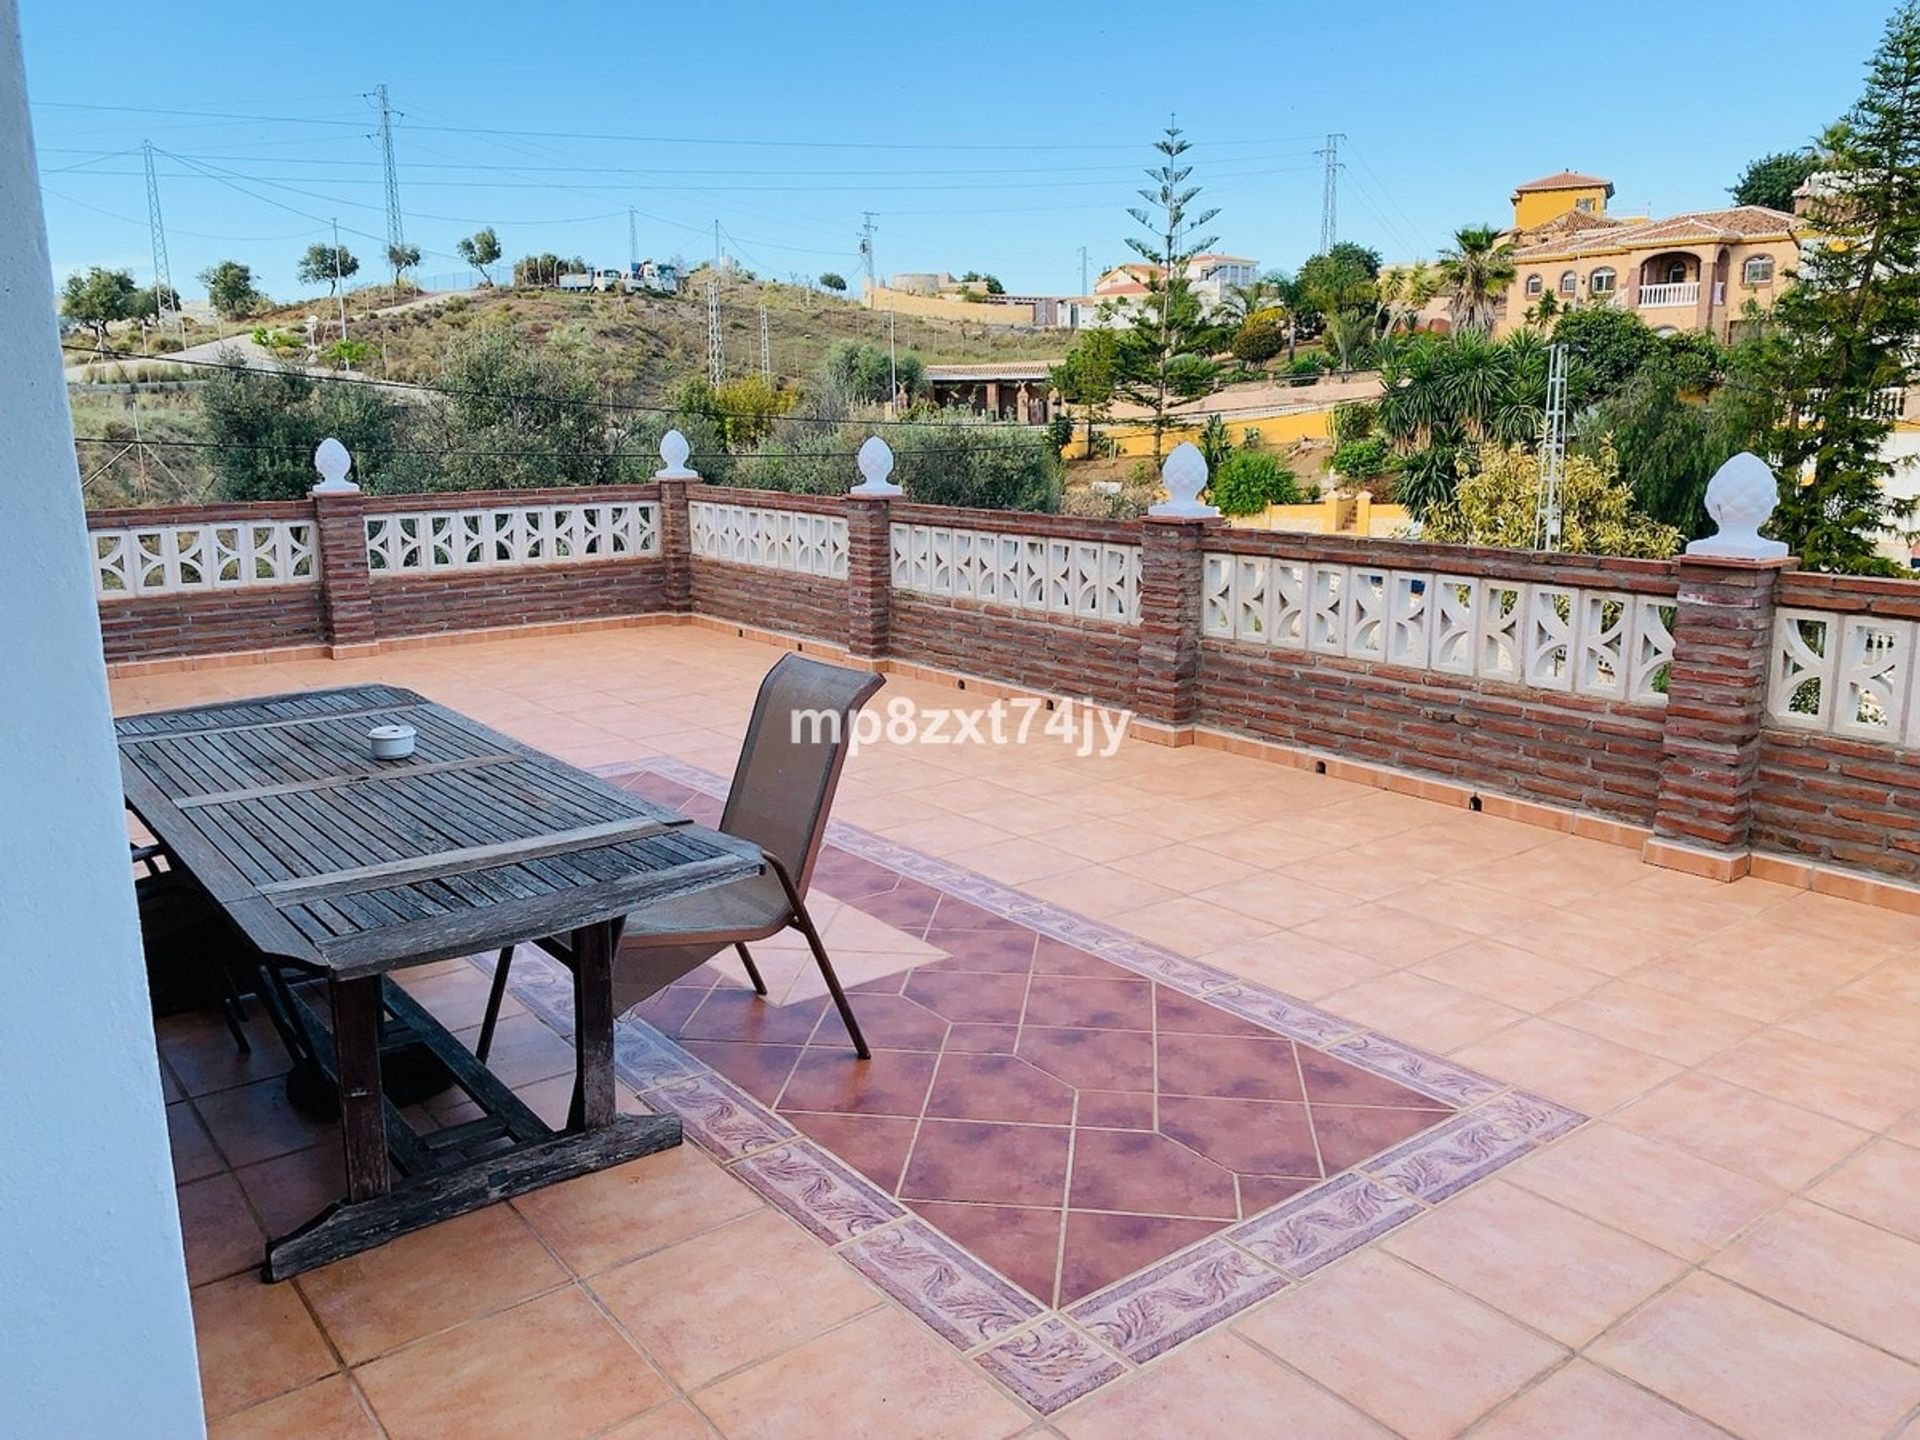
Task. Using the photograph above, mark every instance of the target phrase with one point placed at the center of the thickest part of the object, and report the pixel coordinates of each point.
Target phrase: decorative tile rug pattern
(1072, 1149)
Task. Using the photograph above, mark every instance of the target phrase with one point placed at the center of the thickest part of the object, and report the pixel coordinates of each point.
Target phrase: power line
(783, 143)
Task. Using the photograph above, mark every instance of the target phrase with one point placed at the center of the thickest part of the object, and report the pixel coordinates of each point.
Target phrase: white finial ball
(1740, 498)
(876, 464)
(333, 462)
(1185, 475)
(673, 456)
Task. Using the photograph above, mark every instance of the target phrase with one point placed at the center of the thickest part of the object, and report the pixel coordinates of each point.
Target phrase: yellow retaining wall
(933, 307)
(1331, 515)
(1275, 430)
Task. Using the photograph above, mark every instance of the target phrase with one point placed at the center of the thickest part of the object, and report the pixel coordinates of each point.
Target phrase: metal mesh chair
(783, 787)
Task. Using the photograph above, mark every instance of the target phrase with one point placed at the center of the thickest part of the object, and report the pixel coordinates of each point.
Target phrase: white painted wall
(96, 1338)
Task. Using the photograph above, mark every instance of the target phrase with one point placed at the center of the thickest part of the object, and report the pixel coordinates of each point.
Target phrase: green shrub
(1251, 480)
(1363, 460)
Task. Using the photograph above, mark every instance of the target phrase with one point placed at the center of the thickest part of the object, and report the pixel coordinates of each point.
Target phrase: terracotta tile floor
(1729, 1246)
(1065, 1119)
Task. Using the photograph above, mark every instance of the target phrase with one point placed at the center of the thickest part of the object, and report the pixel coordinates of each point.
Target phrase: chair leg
(803, 922)
(753, 970)
(233, 1010)
(494, 997)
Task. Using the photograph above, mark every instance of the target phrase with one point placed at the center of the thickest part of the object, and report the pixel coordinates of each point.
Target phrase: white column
(93, 1287)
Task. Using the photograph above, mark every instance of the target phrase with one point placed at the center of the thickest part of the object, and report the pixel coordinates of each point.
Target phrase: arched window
(1536, 283)
(1676, 272)
(1758, 270)
(1601, 281)
(1569, 283)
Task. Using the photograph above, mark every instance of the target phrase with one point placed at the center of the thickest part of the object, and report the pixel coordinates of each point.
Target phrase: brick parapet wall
(1055, 654)
(869, 587)
(809, 605)
(1703, 771)
(1716, 702)
(1587, 572)
(214, 512)
(346, 586)
(1548, 746)
(1172, 572)
(497, 499)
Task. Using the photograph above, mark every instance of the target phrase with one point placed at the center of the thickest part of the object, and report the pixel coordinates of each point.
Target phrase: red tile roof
(1565, 180)
(1740, 222)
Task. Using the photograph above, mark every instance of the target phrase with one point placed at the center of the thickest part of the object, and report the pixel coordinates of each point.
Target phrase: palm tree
(1476, 272)
(1404, 292)
(1241, 301)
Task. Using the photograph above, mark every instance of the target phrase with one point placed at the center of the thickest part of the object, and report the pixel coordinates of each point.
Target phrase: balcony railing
(1686, 292)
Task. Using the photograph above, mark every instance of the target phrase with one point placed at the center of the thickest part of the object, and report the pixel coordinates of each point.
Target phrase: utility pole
(396, 232)
(339, 291)
(866, 245)
(1553, 452)
(165, 302)
(1330, 193)
(893, 362)
(633, 244)
(766, 347)
(716, 247)
(716, 355)
(1083, 270)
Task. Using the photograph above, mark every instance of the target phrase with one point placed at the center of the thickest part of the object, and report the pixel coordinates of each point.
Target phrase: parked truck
(594, 279)
(652, 277)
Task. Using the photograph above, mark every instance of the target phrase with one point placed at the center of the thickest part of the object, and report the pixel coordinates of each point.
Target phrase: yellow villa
(1693, 271)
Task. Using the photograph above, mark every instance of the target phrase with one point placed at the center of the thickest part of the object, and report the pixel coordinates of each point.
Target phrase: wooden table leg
(593, 947)
(356, 1044)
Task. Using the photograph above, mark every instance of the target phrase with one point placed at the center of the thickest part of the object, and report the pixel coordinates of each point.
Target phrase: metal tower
(633, 244)
(165, 301)
(396, 232)
(766, 347)
(866, 245)
(1553, 451)
(716, 354)
(1330, 193)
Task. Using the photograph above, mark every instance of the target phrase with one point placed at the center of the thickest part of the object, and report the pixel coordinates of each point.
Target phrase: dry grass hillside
(644, 345)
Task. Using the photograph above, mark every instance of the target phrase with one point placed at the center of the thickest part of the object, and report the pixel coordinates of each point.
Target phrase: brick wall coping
(1593, 572)
(766, 499)
(495, 499)
(213, 512)
(1876, 595)
(1019, 522)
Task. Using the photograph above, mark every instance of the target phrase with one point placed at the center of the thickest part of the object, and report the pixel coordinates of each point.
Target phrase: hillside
(644, 345)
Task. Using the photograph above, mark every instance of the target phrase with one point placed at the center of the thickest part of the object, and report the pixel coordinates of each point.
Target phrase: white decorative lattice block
(1024, 572)
(797, 541)
(203, 556)
(432, 541)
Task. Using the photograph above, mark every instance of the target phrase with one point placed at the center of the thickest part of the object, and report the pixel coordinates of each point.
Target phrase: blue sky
(1000, 140)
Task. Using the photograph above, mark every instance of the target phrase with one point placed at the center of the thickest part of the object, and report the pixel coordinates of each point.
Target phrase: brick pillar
(869, 576)
(676, 544)
(1171, 577)
(1716, 704)
(346, 591)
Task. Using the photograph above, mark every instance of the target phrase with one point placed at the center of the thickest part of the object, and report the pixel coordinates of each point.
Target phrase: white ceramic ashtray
(391, 742)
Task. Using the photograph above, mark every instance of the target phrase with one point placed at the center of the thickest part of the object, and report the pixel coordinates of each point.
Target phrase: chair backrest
(791, 759)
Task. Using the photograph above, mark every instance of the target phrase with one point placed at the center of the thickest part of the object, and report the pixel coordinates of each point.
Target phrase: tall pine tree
(1847, 331)
(1163, 354)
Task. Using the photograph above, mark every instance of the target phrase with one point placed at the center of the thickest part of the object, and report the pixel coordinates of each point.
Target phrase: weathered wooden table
(338, 866)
